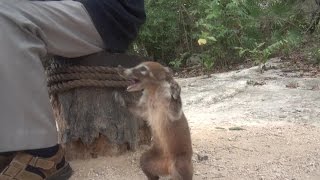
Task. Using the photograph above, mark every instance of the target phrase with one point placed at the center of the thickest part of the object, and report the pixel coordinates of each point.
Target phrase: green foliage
(315, 54)
(233, 30)
(162, 32)
(176, 64)
(208, 62)
(261, 53)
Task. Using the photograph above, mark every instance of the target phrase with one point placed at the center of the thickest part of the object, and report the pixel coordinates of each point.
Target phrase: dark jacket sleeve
(117, 21)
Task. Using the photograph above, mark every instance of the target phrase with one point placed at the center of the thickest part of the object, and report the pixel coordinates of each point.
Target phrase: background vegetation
(225, 32)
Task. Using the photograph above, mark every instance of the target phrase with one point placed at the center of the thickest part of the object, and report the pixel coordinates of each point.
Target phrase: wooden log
(90, 122)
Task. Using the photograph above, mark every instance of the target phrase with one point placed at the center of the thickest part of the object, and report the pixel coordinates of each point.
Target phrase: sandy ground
(244, 125)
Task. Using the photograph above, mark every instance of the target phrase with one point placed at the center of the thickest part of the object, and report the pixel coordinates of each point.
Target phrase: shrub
(233, 30)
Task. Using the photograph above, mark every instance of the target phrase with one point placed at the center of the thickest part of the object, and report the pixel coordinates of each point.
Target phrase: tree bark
(90, 122)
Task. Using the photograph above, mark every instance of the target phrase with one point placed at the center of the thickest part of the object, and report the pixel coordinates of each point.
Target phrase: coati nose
(127, 72)
(120, 70)
(123, 72)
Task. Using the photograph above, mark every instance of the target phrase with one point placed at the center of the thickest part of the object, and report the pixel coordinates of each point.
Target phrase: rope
(76, 76)
(64, 78)
(57, 69)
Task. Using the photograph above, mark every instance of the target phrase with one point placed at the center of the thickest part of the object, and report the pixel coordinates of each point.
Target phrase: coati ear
(169, 71)
(175, 89)
(169, 74)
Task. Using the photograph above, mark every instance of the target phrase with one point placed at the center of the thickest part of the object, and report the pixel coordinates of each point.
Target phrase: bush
(221, 32)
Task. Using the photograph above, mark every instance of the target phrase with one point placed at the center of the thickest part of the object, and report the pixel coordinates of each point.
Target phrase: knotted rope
(66, 77)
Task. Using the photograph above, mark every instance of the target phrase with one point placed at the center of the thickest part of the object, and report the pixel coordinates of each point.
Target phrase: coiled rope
(62, 78)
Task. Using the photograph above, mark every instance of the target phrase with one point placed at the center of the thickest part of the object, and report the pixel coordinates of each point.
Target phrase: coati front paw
(119, 99)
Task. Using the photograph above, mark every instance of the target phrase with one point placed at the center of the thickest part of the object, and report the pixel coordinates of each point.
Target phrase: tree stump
(90, 122)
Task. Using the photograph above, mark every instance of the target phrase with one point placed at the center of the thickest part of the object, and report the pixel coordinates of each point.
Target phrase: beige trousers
(29, 31)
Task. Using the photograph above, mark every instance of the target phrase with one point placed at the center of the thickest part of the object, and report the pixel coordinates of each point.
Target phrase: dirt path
(275, 132)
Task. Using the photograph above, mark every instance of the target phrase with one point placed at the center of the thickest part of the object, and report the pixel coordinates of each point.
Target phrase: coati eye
(143, 70)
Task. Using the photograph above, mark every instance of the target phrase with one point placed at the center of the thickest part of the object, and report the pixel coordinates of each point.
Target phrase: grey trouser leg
(29, 31)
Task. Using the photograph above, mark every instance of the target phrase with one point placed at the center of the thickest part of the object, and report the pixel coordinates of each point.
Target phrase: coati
(160, 105)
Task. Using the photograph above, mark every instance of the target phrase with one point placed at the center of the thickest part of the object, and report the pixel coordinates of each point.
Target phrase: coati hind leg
(153, 164)
(181, 169)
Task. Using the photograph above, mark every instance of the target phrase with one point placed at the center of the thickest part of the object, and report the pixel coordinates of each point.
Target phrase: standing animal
(160, 105)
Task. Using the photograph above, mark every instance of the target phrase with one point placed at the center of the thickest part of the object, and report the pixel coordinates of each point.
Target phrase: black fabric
(44, 152)
(7, 153)
(117, 21)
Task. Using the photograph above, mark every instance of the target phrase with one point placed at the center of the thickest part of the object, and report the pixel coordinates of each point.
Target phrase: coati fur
(160, 105)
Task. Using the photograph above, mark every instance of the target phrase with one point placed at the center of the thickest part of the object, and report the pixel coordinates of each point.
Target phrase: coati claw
(119, 99)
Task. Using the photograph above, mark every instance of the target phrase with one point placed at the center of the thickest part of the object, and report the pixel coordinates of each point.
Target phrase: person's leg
(29, 31)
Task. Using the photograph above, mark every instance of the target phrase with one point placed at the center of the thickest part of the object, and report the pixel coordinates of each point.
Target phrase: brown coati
(160, 105)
